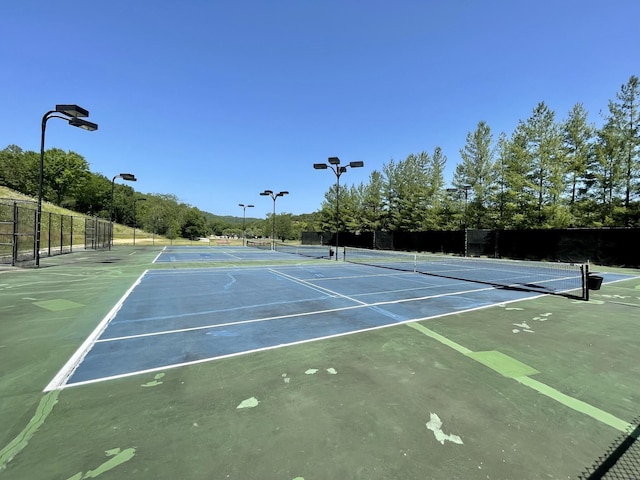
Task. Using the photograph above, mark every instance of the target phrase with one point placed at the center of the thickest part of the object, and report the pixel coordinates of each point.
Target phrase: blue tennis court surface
(178, 317)
(184, 254)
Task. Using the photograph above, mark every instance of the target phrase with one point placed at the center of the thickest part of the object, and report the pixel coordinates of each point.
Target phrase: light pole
(135, 215)
(244, 215)
(72, 114)
(129, 177)
(465, 189)
(274, 196)
(334, 164)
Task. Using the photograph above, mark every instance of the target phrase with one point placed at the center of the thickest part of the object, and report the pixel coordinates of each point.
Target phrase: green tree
(605, 175)
(578, 145)
(64, 173)
(406, 191)
(93, 195)
(477, 171)
(19, 170)
(194, 224)
(373, 207)
(623, 125)
(434, 186)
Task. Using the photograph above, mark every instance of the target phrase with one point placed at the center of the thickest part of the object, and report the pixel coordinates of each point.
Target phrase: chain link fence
(59, 233)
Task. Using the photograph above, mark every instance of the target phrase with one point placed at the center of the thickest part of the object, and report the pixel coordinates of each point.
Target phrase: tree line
(69, 183)
(545, 174)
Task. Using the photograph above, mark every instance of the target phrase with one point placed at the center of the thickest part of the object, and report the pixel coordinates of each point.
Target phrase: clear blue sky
(215, 101)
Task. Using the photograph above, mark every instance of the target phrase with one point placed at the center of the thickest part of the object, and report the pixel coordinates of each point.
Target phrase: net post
(585, 281)
(415, 262)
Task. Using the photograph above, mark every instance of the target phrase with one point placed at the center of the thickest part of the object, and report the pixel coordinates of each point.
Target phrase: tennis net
(311, 251)
(567, 279)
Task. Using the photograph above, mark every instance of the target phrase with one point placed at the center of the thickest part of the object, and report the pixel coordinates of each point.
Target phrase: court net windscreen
(568, 279)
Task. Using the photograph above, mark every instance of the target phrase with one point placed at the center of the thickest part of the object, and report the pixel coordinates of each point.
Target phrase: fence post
(61, 234)
(14, 238)
(49, 236)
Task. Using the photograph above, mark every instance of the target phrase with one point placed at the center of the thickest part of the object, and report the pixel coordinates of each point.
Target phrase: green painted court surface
(539, 388)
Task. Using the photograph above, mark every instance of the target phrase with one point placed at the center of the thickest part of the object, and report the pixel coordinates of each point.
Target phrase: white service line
(299, 342)
(303, 314)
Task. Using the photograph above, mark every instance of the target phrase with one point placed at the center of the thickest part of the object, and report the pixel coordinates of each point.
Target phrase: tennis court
(263, 364)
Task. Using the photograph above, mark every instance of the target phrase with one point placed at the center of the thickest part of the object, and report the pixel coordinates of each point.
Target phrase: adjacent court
(261, 364)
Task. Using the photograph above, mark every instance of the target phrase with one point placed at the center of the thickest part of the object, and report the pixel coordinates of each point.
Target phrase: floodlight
(334, 160)
(72, 110)
(85, 125)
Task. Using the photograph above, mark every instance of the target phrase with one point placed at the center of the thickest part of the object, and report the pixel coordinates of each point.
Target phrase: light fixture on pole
(135, 215)
(465, 189)
(244, 215)
(71, 114)
(334, 164)
(274, 196)
(129, 177)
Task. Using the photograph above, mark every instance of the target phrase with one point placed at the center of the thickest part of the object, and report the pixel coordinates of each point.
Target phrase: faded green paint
(512, 368)
(118, 458)
(440, 338)
(503, 364)
(17, 444)
(249, 403)
(58, 305)
(155, 382)
(574, 403)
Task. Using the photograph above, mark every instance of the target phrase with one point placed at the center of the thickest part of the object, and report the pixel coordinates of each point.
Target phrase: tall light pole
(274, 196)
(334, 164)
(465, 189)
(244, 215)
(129, 177)
(72, 114)
(135, 215)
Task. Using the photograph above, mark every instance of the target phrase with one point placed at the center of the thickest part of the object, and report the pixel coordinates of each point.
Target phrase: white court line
(67, 370)
(298, 315)
(158, 256)
(299, 342)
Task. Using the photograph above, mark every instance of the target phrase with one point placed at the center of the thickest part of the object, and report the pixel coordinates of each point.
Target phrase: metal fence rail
(59, 233)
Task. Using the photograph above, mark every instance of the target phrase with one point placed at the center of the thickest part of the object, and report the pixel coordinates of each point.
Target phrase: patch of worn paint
(58, 305)
(248, 403)
(299, 478)
(332, 371)
(311, 371)
(16, 445)
(435, 425)
(503, 364)
(525, 327)
(513, 308)
(591, 301)
(155, 381)
(230, 282)
(118, 457)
